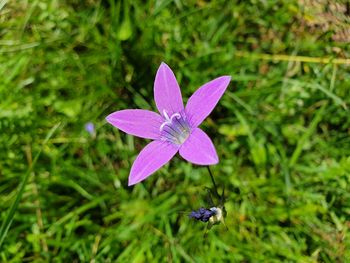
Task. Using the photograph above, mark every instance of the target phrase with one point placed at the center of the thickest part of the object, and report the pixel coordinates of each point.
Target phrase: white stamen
(167, 120)
(177, 115)
(166, 116)
(163, 124)
(176, 131)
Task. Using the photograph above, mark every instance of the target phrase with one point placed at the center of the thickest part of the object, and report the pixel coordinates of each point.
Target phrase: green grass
(281, 132)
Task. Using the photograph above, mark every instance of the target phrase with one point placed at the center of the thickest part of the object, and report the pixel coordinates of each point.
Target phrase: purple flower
(90, 128)
(202, 214)
(175, 129)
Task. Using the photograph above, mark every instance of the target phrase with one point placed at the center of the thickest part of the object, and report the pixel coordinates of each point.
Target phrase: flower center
(175, 129)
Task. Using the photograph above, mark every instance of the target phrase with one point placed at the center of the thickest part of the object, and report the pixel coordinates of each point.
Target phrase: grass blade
(11, 213)
(307, 134)
(2, 4)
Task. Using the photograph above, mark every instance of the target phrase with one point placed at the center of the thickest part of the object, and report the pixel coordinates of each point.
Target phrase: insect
(215, 214)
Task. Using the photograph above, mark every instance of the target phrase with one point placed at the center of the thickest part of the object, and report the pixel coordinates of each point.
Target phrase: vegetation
(281, 130)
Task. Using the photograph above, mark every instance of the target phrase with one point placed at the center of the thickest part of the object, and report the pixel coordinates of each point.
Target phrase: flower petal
(141, 123)
(199, 149)
(203, 101)
(151, 158)
(167, 93)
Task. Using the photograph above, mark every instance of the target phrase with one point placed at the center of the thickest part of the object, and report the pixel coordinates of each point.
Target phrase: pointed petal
(141, 123)
(199, 149)
(151, 158)
(203, 101)
(167, 93)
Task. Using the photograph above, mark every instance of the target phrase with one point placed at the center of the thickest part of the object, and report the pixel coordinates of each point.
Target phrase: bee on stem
(215, 214)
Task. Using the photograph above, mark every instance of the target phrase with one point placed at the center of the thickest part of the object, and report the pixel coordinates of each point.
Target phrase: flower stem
(213, 181)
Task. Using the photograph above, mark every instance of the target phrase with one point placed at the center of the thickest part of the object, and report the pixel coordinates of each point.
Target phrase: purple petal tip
(227, 78)
(108, 118)
(216, 161)
(213, 161)
(164, 65)
(130, 183)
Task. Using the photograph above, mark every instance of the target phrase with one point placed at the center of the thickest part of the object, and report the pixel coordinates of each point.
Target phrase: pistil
(175, 129)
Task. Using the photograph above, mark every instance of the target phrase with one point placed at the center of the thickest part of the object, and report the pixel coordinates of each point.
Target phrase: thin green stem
(213, 181)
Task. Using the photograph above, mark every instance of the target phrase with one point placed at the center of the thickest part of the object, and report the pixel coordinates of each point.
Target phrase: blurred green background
(281, 130)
